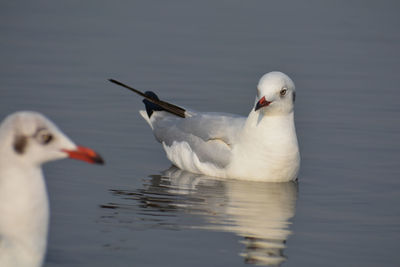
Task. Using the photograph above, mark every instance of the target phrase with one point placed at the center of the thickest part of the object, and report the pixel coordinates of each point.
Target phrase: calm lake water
(56, 57)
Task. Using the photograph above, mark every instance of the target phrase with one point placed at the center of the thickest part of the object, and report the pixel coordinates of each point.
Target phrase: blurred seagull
(27, 140)
(261, 147)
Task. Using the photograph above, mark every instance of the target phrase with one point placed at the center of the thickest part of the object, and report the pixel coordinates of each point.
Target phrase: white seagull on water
(27, 140)
(260, 147)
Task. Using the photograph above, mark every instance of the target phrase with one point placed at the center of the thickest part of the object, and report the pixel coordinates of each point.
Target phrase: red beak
(85, 154)
(262, 103)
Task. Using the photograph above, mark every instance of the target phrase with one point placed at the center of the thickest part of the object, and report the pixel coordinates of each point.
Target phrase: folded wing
(210, 136)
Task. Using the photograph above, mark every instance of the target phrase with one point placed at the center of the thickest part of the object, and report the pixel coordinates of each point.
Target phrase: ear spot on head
(20, 143)
(294, 96)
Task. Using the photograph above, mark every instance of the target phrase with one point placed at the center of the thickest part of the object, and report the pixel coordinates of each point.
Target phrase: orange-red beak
(85, 154)
(262, 103)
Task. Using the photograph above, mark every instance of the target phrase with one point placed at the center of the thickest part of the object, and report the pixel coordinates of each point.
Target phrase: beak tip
(98, 160)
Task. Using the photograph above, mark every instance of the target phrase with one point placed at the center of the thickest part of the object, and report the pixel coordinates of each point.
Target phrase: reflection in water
(258, 212)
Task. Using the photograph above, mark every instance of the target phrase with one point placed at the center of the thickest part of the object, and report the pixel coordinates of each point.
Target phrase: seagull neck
(23, 198)
(257, 121)
(269, 132)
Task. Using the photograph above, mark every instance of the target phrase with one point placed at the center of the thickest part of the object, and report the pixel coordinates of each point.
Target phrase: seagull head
(33, 139)
(275, 94)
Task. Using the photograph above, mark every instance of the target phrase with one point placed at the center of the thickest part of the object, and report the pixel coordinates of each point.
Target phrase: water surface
(343, 56)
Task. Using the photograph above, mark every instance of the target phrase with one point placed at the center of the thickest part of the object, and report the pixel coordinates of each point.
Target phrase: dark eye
(283, 91)
(44, 137)
(47, 138)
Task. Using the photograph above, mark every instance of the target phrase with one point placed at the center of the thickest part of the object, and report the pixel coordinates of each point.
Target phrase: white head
(33, 139)
(275, 94)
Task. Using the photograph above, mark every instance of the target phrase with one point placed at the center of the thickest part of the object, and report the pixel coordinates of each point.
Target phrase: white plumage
(261, 147)
(27, 140)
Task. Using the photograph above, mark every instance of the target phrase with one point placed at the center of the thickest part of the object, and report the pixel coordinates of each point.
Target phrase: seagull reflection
(258, 212)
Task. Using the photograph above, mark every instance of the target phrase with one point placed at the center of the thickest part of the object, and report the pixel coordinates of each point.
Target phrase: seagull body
(260, 147)
(27, 140)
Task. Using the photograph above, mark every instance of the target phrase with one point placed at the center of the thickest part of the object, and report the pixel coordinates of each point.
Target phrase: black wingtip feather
(153, 103)
(150, 106)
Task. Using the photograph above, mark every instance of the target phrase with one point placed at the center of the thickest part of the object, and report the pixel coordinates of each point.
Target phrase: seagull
(27, 140)
(260, 147)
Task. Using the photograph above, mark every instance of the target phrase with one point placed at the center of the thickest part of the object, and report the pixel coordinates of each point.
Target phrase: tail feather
(150, 106)
(146, 117)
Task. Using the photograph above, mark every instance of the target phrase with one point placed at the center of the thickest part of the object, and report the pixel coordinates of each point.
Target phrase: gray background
(208, 55)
